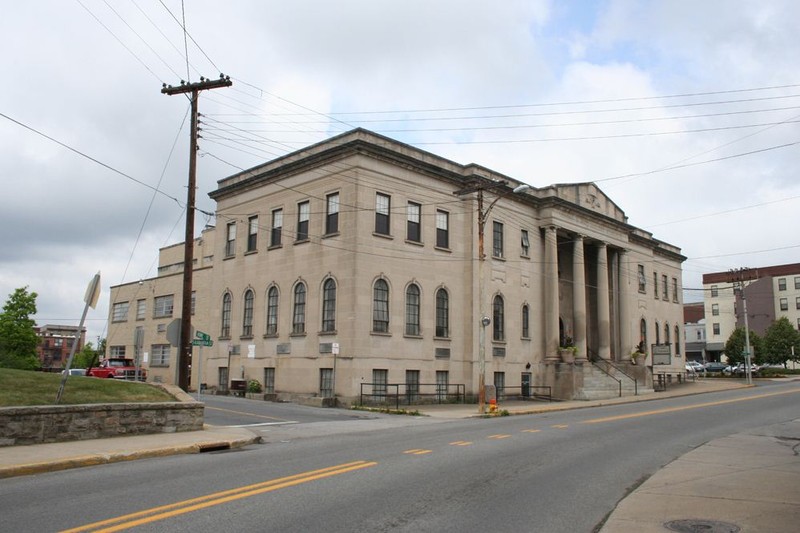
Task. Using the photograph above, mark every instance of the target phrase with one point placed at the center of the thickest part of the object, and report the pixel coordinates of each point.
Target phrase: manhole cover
(694, 525)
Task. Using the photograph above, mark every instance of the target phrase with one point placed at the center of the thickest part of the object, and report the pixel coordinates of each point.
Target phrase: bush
(253, 386)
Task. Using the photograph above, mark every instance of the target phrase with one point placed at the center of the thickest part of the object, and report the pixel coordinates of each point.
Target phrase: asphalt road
(560, 472)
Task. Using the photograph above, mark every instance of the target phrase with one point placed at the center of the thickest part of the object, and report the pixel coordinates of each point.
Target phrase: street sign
(202, 335)
(202, 342)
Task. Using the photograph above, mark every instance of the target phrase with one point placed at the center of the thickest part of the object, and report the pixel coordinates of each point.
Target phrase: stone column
(625, 339)
(550, 306)
(603, 305)
(579, 298)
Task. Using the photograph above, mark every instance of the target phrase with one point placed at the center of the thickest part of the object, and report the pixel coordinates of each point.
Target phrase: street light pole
(484, 319)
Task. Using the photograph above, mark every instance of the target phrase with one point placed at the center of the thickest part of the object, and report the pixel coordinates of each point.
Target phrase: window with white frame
(797, 282)
(299, 315)
(380, 307)
(382, 209)
(332, 214)
(277, 228)
(272, 311)
(119, 312)
(329, 306)
(442, 313)
(442, 229)
(303, 215)
(225, 318)
(116, 351)
(252, 233)
(714, 291)
(797, 303)
(525, 243)
(784, 304)
(414, 222)
(163, 306)
(159, 354)
(781, 284)
(412, 310)
(715, 328)
(247, 315)
(715, 309)
(230, 242)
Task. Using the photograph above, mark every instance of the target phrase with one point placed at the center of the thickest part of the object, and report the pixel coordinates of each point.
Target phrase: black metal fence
(384, 394)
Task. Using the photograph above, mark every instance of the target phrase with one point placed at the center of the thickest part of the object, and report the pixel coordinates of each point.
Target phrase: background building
(55, 343)
(353, 266)
(771, 292)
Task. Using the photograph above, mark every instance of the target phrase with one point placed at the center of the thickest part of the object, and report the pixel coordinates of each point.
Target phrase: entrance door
(222, 380)
(526, 384)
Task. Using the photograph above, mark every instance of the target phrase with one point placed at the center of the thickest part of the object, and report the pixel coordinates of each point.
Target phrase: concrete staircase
(599, 385)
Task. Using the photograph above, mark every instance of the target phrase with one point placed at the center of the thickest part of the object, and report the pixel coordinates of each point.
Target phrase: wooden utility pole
(185, 348)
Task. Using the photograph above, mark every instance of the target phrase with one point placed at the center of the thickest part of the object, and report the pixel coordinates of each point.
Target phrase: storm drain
(694, 525)
(214, 447)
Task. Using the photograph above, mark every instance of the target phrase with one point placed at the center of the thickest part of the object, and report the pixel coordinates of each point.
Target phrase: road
(560, 472)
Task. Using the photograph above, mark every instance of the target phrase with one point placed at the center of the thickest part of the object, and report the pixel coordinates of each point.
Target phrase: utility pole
(739, 278)
(185, 348)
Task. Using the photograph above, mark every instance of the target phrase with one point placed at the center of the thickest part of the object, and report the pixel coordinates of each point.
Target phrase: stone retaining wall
(61, 423)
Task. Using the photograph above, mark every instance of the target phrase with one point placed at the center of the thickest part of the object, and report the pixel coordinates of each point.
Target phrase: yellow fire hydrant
(492, 406)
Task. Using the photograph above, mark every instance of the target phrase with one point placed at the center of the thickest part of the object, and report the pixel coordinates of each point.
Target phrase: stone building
(353, 267)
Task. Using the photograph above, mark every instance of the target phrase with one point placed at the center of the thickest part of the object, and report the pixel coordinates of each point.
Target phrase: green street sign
(202, 335)
(202, 342)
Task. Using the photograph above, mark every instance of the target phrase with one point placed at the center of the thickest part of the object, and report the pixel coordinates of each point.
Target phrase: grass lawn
(26, 387)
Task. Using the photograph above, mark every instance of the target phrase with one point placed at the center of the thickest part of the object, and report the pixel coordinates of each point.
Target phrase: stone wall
(61, 423)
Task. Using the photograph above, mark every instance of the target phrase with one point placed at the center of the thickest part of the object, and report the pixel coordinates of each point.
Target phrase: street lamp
(485, 320)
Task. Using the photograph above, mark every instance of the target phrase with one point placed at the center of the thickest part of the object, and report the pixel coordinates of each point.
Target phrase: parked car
(741, 370)
(76, 371)
(694, 366)
(715, 366)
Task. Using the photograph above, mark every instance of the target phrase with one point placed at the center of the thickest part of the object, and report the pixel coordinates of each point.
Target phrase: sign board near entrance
(662, 354)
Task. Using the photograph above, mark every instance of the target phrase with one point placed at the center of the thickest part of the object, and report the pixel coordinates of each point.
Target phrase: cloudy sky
(684, 112)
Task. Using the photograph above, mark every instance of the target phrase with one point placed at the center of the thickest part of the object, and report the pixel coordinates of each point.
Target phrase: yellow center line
(417, 451)
(686, 407)
(498, 436)
(560, 426)
(531, 430)
(460, 443)
(247, 414)
(194, 504)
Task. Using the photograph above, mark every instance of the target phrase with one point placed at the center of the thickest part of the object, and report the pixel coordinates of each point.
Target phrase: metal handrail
(441, 392)
(595, 359)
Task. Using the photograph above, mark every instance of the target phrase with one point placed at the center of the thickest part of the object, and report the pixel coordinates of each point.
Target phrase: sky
(685, 113)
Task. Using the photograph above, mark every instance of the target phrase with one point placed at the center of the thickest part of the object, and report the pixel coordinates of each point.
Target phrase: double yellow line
(187, 506)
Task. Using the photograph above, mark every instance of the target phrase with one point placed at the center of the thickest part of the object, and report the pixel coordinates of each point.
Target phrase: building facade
(354, 266)
(55, 344)
(769, 293)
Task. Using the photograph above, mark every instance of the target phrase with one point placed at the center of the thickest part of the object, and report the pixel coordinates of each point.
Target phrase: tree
(734, 348)
(88, 356)
(778, 342)
(18, 339)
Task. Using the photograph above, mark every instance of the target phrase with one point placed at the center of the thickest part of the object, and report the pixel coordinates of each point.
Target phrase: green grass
(26, 387)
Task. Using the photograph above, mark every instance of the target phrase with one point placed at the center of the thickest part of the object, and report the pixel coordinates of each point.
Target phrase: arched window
(666, 334)
(247, 315)
(677, 340)
(442, 313)
(299, 316)
(225, 326)
(526, 332)
(380, 307)
(412, 310)
(658, 334)
(643, 335)
(329, 305)
(498, 319)
(272, 311)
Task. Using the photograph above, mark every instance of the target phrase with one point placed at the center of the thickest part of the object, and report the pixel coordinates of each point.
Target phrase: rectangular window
(116, 351)
(252, 233)
(797, 303)
(412, 385)
(277, 228)
(269, 380)
(715, 328)
(664, 287)
(162, 307)
(230, 243)
(497, 239)
(642, 279)
(715, 309)
(442, 229)
(159, 354)
(119, 312)
(326, 382)
(499, 384)
(784, 304)
(714, 291)
(797, 283)
(382, 209)
(675, 290)
(525, 243)
(141, 309)
(332, 214)
(380, 378)
(413, 223)
(442, 384)
(781, 284)
(655, 285)
(303, 214)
